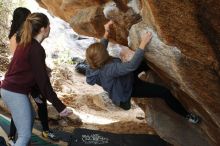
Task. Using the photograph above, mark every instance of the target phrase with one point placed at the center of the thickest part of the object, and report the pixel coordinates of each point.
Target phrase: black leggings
(150, 90)
(42, 113)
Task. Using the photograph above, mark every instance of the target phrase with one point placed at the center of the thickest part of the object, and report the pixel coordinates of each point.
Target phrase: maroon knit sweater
(27, 69)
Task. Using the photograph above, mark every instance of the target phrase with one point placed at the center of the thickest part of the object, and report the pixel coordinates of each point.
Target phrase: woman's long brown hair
(97, 55)
(31, 27)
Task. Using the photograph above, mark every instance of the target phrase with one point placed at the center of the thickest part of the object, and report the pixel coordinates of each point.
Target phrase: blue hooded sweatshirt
(116, 77)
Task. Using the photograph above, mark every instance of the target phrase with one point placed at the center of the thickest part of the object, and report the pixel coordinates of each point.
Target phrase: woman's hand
(145, 39)
(107, 28)
(108, 25)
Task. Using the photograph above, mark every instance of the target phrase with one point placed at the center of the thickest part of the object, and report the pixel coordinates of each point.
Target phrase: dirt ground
(93, 106)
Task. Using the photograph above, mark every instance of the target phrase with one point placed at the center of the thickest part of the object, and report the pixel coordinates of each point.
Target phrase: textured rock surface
(184, 51)
(4, 61)
(170, 126)
(158, 116)
(88, 21)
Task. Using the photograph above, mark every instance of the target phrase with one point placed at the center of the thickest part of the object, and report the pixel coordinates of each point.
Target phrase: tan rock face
(184, 51)
(208, 16)
(192, 69)
(67, 8)
(179, 24)
(123, 20)
(87, 17)
(89, 21)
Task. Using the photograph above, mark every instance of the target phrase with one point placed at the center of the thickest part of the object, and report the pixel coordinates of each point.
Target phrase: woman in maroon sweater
(26, 70)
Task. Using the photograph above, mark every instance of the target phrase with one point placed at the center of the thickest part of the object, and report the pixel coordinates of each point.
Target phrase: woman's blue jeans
(22, 113)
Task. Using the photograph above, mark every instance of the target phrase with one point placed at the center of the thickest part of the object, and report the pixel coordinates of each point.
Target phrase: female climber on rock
(121, 80)
(26, 70)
